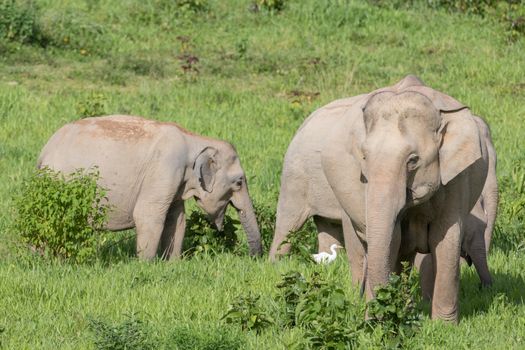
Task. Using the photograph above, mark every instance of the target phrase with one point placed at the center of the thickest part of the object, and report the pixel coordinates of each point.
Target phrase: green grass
(256, 79)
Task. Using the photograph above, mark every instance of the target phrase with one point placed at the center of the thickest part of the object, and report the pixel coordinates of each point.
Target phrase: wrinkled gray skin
(405, 151)
(150, 168)
(478, 227)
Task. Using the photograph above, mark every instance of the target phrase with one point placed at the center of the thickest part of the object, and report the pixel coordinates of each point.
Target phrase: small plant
(203, 238)
(19, 22)
(128, 335)
(92, 106)
(303, 243)
(192, 5)
(61, 216)
(266, 220)
(395, 307)
(321, 308)
(271, 5)
(222, 338)
(245, 310)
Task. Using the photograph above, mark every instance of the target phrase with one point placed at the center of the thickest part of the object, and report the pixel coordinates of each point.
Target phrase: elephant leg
(474, 243)
(329, 233)
(445, 247)
(354, 250)
(173, 233)
(149, 217)
(291, 216)
(423, 262)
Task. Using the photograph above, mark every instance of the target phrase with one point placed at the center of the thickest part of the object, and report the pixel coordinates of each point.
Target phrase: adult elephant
(150, 168)
(398, 151)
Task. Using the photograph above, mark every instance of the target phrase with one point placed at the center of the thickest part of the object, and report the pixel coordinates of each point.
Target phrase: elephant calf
(150, 168)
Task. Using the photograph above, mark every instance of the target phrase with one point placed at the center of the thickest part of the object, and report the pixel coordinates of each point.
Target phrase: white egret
(325, 258)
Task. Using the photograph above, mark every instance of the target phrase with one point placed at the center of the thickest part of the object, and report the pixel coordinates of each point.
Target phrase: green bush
(303, 243)
(321, 308)
(92, 106)
(395, 308)
(19, 22)
(271, 5)
(266, 221)
(203, 238)
(247, 312)
(61, 216)
(221, 338)
(129, 335)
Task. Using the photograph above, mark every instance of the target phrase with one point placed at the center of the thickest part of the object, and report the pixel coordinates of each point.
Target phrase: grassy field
(250, 77)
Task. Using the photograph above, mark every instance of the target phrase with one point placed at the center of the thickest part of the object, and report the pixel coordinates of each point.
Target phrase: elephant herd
(404, 173)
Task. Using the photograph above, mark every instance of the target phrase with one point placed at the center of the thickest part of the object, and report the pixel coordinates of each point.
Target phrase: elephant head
(221, 181)
(409, 148)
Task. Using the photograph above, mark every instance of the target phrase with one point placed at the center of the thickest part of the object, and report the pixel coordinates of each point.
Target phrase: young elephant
(401, 151)
(150, 168)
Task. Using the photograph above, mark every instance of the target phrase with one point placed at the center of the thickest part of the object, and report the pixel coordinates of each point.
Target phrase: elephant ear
(460, 144)
(205, 168)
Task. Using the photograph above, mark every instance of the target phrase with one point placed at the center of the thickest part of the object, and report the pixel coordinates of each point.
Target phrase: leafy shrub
(271, 5)
(266, 221)
(128, 335)
(93, 105)
(74, 30)
(203, 238)
(19, 22)
(395, 307)
(303, 243)
(61, 216)
(247, 312)
(322, 309)
(222, 338)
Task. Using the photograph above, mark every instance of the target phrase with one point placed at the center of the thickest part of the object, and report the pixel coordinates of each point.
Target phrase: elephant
(404, 151)
(478, 227)
(149, 169)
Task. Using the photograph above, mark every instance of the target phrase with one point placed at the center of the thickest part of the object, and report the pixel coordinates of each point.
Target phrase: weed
(203, 238)
(128, 335)
(321, 308)
(92, 106)
(395, 307)
(270, 5)
(62, 216)
(247, 312)
(266, 220)
(303, 243)
(19, 22)
(220, 338)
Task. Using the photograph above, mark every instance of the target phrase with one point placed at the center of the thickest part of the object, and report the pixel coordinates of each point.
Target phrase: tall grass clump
(131, 334)
(61, 216)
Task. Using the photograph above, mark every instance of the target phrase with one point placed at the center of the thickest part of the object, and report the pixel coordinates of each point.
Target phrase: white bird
(325, 258)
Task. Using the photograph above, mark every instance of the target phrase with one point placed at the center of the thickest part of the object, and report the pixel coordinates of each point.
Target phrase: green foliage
(271, 5)
(93, 105)
(321, 308)
(266, 221)
(19, 21)
(247, 312)
(129, 335)
(202, 238)
(61, 216)
(395, 307)
(220, 338)
(303, 243)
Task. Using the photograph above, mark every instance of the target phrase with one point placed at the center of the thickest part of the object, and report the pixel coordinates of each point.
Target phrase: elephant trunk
(384, 201)
(242, 202)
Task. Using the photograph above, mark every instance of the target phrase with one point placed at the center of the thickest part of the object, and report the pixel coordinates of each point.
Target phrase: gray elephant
(399, 152)
(150, 168)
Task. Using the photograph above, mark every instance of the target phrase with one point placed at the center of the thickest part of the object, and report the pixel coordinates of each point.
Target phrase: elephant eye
(412, 162)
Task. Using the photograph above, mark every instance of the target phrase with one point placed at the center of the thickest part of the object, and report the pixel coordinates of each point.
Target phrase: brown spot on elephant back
(118, 127)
